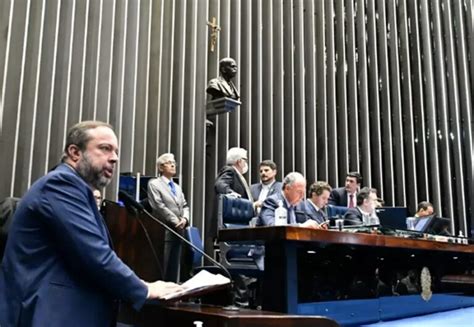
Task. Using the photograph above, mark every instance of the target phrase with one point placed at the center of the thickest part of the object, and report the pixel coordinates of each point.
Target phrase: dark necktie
(351, 201)
(291, 215)
(172, 187)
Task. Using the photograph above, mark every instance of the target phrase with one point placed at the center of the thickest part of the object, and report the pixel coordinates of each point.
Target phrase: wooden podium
(184, 314)
(138, 241)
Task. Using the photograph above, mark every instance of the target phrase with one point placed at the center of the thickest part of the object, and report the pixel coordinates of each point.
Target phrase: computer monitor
(128, 183)
(434, 225)
(392, 217)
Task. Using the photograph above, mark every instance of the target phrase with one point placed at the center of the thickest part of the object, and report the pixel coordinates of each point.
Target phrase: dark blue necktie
(172, 187)
(291, 215)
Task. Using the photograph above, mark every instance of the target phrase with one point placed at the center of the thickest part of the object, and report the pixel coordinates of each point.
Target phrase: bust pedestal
(221, 105)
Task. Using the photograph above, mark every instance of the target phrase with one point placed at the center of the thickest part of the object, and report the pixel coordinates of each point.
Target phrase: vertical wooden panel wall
(379, 86)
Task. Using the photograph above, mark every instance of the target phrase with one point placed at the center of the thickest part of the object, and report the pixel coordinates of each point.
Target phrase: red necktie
(351, 200)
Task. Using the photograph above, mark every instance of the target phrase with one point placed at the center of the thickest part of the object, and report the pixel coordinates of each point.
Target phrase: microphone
(129, 202)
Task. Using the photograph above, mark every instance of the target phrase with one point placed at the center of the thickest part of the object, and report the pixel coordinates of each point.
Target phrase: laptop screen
(392, 217)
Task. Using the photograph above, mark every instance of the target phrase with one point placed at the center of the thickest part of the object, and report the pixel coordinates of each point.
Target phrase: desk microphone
(129, 202)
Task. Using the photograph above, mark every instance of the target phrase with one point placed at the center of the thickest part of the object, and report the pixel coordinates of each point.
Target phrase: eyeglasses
(169, 163)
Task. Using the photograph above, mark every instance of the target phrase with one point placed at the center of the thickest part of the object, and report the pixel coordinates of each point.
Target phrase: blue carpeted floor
(460, 317)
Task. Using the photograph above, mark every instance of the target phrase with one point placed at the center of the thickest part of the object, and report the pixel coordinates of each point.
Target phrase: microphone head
(129, 201)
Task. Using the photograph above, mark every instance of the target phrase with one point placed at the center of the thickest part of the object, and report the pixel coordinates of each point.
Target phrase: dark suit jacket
(256, 188)
(228, 181)
(353, 216)
(306, 210)
(59, 268)
(267, 214)
(338, 197)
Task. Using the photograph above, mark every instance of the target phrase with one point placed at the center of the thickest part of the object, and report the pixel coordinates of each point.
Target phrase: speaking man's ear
(74, 153)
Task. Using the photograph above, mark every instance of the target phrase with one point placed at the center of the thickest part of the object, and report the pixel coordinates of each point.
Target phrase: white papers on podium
(199, 282)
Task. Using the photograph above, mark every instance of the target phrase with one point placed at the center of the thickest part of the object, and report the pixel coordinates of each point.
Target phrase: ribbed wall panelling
(383, 87)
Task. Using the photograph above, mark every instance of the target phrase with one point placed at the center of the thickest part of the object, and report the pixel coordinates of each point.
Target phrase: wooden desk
(184, 314)
(355, 277)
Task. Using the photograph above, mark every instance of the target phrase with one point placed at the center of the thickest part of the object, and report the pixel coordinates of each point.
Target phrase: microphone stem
(188, 243)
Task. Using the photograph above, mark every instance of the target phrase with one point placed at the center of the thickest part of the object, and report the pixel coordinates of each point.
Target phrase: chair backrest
(193, 236)
(334, 211)
(234, 212)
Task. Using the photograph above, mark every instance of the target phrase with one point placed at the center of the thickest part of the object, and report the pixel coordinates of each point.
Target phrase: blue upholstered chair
(334, 211)
(236, 213)
(193, 236)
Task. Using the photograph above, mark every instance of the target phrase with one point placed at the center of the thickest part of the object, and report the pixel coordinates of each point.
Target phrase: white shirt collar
(314, 205)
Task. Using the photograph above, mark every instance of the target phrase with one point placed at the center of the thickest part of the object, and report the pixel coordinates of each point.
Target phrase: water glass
(339, 224)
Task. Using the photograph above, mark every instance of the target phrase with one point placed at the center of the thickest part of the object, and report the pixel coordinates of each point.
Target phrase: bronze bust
(222, 86)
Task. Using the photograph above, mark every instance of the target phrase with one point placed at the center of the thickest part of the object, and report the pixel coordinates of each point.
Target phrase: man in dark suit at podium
(347, 196)
(59, 268)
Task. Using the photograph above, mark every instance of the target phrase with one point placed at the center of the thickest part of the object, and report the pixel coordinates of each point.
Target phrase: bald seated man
(293, 192)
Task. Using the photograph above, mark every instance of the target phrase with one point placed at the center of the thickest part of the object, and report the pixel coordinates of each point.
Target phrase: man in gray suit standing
(268, 184)
(168, 203)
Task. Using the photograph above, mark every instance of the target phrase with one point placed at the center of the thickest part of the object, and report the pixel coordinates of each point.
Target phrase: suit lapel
(318, 214)
(168, 192)
(272, 189)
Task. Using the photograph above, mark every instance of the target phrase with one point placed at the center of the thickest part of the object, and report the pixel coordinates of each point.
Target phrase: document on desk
(199, 282)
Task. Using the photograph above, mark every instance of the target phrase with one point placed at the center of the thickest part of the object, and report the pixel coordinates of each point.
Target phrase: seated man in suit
(424, 210)
(268, 185)
(293, 192)
(364, 213)
(313, 207)
(59, 268)
(346, 196)
(169, 204)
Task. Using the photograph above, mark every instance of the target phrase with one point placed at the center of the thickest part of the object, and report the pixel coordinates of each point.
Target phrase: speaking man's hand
(159, 289)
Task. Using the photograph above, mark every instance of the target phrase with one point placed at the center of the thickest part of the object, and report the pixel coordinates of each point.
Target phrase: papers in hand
(199, 282)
